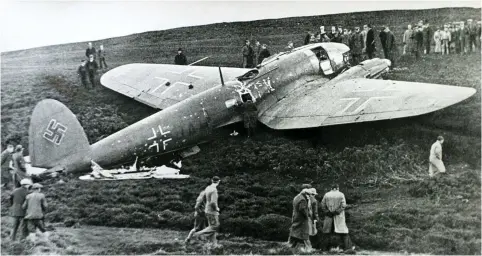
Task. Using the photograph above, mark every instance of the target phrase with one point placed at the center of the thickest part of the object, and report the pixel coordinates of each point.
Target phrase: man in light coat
(20, 170)
(199, 215)
(6, 159)
(436, 165)
(408, 40)
(211, 210)
(17, 198)
(333, 205)
(301, 221)
(35, 206)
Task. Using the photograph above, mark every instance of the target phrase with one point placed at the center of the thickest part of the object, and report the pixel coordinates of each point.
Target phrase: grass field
(381, 166)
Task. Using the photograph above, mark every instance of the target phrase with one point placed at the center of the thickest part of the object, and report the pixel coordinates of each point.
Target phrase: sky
(28, 24)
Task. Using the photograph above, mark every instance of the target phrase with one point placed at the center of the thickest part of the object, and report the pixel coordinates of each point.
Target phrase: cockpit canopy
(333, 57)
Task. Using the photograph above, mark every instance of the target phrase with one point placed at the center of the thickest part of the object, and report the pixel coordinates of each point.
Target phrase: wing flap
(359, 100)
(162, 85)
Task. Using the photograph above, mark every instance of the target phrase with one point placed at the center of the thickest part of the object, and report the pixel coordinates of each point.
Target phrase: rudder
(56, 138)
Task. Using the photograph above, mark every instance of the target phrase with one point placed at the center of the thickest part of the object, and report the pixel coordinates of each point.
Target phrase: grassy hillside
(381, 166)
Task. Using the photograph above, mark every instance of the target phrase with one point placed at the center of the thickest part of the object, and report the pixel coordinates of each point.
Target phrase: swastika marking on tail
(55, 132)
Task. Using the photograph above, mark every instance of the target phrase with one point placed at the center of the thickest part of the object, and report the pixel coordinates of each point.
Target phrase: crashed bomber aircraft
(309, 86)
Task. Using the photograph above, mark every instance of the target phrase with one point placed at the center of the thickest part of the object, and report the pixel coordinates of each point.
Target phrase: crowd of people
(88, 69)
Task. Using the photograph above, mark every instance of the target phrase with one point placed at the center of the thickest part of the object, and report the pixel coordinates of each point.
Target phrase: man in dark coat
(418, 36)
(82, 73)
(356, 46)
(250, 117)
(20, 170)
(17, 198)
(471, 35)
(6, 159)
(302, 216)
(90, 51)
(92, 69)
(247, 55)
(383, 41)
(256, 50)
(427, 35)
(390, 48)
(263, 54)
(307, 38)
(370, 43)
(180, 58)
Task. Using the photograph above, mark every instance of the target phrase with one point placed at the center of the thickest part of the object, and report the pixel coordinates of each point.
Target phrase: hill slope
(382, 166)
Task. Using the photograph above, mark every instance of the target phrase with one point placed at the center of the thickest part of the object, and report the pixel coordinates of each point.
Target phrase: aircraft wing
(359, 100)
(162, 85)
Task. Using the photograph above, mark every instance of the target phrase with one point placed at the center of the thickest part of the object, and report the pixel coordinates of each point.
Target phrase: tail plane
(56, 138)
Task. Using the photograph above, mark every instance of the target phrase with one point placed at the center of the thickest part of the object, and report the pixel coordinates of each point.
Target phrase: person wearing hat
(356, 46)
(301, 221)
(199, 215)
(20, 170)
(35, 205)
(6, 159)
(248, 54)
(470, 35)
(17, 198)
(333, 205)
(180, 58)
(311, 192)
(211, 210)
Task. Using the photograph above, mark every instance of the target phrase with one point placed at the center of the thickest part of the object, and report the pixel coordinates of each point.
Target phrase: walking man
(199, 215)
(6, 159)
(17, 198)
(211, 210)
(101, 54)
(436, 165)
(20, 170)
(92, 68)
(301, 221)
(334, 204)
(35, 205)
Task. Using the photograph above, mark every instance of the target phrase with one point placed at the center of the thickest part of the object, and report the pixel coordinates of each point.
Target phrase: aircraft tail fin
(56, 138)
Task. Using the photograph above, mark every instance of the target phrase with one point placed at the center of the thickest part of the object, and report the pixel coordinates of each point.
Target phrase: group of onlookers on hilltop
(88, 69)
(455, 37)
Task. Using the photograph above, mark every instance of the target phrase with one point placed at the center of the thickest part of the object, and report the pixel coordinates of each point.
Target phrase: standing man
(356, 46)
(20, 170)
(364, 34)
(211, 210)
(82, 73)
(334, 204)
(35, 205)
(180, 58)
(17, 198)
(370, 42)
(345, 37)
(323, 36)
(199, 215)
(247, 55)
(471, 34)
(263, 54)
(257, 50)
(461, 38)
(419, 42)
(250, 117)
(446, 38)
(383, 41)
(390, 46)
(6, 158)
(436, 164)
(301, 221)
(437, 38)
(408, 40)
(428, 34)
(101, 54)
(92, 69)
(90, 50)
